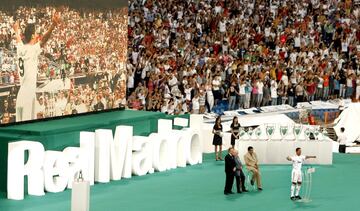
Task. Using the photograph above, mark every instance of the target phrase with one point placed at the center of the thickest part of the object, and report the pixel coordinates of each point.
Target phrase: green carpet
(200, 187)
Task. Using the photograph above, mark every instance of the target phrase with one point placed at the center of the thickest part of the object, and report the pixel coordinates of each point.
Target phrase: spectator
(232, 93)
(291, 48)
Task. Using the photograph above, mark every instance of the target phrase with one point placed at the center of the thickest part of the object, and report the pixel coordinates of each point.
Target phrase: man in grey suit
(239, 174)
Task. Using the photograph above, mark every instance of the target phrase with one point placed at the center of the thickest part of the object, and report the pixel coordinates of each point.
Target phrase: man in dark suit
(230, 168)
(239, 174)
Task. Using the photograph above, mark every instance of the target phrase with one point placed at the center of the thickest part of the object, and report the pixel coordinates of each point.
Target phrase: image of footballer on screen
(61, 59)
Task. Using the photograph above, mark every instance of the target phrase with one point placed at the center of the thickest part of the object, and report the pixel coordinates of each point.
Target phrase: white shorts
(25, 107)
(296, 176)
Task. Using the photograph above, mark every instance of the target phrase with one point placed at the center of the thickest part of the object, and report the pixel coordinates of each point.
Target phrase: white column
(80, 196)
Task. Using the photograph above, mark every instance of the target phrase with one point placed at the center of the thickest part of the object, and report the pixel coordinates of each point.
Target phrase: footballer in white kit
(296, 173)
(28, 51)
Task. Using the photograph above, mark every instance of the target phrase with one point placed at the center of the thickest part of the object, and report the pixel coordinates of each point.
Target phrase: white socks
(293, 187)
(292, 190)
(297, 189)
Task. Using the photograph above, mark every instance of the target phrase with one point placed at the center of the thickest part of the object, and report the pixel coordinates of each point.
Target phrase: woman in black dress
(217, 140)
(234, 131)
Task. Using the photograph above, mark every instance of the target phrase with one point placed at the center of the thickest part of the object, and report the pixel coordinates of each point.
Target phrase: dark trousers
(299, 99)
(207, 106)
(240, 179)
(229, 182)
(342, 148)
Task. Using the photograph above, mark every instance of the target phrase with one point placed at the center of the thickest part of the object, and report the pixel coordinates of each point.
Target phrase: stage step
(331, 133)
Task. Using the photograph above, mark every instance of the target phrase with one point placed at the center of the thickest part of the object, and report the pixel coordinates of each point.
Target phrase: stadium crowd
(187, 55)
(88, 48)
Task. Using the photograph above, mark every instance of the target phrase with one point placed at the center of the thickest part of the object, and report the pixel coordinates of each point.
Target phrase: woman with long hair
(217, 140)
(231, 94)
(235, 126)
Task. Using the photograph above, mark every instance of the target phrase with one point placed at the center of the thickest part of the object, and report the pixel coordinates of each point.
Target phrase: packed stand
(187, 56)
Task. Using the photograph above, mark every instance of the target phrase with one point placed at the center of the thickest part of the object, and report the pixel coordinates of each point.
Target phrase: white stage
(349, 119)
(245, 121)
(255, 120)
(276, 150)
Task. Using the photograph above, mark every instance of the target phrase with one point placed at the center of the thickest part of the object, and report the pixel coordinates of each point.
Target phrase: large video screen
(61, 58)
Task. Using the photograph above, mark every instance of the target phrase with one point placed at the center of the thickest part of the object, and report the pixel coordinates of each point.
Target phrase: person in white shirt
(40, 108)
(187, 92)
(28, 58)
(216, 83)
(80, 106)
(342, 141)
(319, 89)
(195, 104)
(293, 57)
(357, 96)
(164, 107)
(222, 25)
(349, 87)
(273, 92)
(296, 174)
(285, 78)
(297, 41)
(60, 104)
(267, 32)
(242, 93)
(170, 107)
(130, 81)
(134, 56)
(173, 82)
(260, 86)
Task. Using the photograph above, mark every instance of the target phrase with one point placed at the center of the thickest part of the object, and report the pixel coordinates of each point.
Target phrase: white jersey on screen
(28, 58)
(296, 174)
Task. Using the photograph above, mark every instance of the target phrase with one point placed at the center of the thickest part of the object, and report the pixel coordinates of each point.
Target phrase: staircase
(331, 133)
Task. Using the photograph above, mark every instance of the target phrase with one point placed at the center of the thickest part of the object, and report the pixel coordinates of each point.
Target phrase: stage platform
(200, 187)
(58, 134)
